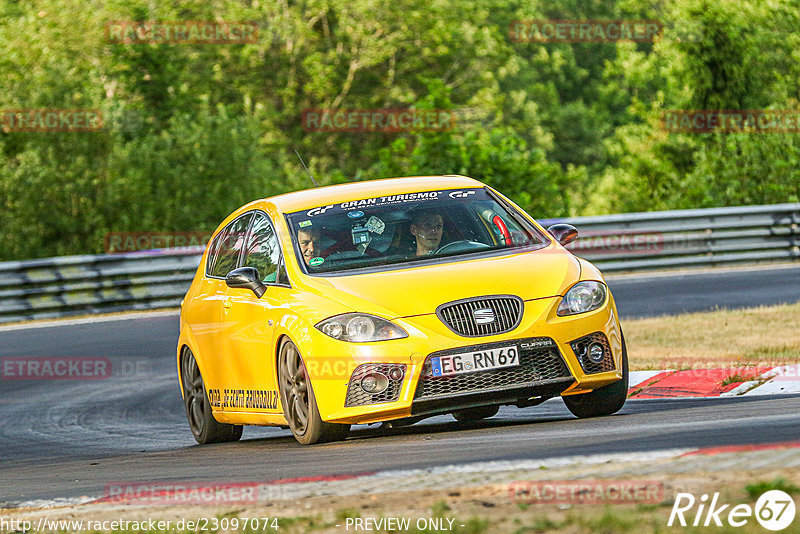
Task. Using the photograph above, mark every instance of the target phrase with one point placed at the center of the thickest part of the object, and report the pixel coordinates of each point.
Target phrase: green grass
(734, 379)
(610, 522)
(541, 524)
(474, 525)
(756, 489)
(720, 338)
(347, 513)
(439, 508)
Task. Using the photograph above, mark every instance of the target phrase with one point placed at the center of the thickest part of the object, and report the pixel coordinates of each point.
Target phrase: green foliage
(714, 56)
(193, 131)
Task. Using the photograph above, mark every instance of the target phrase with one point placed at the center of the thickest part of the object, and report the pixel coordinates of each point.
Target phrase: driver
(308, 239)
(426, 227)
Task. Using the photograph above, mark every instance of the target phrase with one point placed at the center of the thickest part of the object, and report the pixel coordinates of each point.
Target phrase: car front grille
(539, 358)
(482, 316)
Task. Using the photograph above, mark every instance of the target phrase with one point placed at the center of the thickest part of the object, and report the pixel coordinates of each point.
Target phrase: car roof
(333, 194)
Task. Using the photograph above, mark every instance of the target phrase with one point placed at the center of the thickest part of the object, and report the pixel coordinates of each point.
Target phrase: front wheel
(299, 403)
(205, 428)
(604, 401)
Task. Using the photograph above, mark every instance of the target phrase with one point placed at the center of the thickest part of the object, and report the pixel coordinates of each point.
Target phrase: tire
(300, 404)
(205, 428)
(476, 414)
(604, 401)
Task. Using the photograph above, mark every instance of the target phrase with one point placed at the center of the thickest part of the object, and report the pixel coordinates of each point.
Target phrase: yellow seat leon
(392, 300)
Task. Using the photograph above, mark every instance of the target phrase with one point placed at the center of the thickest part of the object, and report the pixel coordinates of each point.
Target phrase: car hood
(420, 290)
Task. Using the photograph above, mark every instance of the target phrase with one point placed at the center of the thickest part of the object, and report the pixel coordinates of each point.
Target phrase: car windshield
(404, 228)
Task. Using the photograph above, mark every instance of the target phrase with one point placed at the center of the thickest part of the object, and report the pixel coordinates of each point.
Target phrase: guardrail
(688, 238)
(59, 287)
(76, 285)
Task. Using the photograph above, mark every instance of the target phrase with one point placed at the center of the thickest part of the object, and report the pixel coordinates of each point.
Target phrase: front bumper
(541, 371)
(502, 395)
(544, 371)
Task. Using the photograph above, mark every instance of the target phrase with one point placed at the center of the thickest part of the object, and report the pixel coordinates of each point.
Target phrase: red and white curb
(725, 382)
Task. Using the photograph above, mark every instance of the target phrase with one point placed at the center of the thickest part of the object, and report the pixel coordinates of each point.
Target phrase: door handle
(226, 303)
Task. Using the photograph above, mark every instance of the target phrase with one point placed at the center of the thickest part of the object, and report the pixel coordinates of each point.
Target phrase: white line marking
(91, 320)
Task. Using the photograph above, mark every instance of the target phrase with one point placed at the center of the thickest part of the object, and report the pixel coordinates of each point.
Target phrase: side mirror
(246, 278)
(564, 233)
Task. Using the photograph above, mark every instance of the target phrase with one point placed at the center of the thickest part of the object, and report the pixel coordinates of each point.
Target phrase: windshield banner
(405, 198)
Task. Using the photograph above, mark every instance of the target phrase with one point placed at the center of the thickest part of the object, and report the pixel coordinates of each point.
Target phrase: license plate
(478, 360)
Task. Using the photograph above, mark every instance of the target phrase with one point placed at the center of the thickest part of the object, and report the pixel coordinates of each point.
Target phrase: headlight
(359, 328)
(582, 297)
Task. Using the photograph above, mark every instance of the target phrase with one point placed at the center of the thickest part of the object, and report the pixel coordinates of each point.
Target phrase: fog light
(374, 383)
(396, 374)
(596, 352)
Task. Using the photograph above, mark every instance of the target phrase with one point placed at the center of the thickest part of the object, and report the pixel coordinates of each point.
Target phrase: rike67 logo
(774, 510)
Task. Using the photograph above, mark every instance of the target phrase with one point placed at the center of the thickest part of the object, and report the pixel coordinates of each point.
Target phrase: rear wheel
(299, 403)
(476, 414)
(605, 400)
(204, 427)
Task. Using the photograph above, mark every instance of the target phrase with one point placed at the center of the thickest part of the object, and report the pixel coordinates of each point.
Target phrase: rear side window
(262, 251)
(227, 247)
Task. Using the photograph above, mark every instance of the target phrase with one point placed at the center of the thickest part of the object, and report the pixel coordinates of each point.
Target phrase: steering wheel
(462, 246)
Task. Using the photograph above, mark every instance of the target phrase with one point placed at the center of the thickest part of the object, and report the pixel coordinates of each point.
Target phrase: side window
(231, 242)
(213, 250)
(506, 224)
(262, 251)
(283, 278)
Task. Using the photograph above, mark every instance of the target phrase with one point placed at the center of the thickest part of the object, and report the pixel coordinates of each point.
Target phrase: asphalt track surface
(72, 438)
(671, 294)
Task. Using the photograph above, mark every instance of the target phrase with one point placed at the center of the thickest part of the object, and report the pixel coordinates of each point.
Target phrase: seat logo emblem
(483, 316)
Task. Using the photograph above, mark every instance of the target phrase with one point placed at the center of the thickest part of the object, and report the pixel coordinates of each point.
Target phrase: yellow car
(392, 300)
